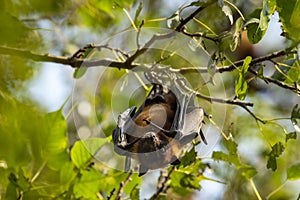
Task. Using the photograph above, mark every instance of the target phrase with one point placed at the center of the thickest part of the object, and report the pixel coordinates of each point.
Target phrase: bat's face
(149, 135)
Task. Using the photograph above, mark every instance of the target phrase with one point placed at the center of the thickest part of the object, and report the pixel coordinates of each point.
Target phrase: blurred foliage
(41, 156)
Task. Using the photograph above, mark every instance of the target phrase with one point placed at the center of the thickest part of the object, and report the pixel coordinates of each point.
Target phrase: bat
(155, 134)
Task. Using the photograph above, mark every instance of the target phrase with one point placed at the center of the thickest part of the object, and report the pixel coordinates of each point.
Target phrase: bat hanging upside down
(155, 134)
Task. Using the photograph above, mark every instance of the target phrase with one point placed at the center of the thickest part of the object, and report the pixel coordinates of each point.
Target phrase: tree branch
(157, 37)
(122, 185)
(71, 61)
(229, 68)
(163, 186)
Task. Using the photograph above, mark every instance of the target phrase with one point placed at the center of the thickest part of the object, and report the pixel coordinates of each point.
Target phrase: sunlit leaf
(57, 138)
(83, 151)
(88, 185)
(289, 16)
(293, 172)
(227, 11)
(133, 184)
(135, 192)
(271, 6)
(67, 173)
(241, 85)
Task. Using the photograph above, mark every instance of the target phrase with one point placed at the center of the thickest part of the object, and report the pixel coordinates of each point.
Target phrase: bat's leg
(127, 163)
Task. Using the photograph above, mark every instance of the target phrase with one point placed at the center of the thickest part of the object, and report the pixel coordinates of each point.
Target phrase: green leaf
(227, 11)
(237, 34)
(293, 172)
(271, 162)
(264, 17)
(289, 17)
(67, 173)
(83, 151)
(231, 159)
(254, 31)
(138, 12)
(135, 192)
(55, 148)
(189, 157)
(295, 112)
(248, 172)
(79, 72)
(57, 138)
(295, 117)
(291, 135)
(231, 146)
(241, 85)
(182, 183)
(12, 191)
(271, 6)
(277, 150)
(219, 155)
(282, 72)
(294, 73)
(88, 185)
(260, 72)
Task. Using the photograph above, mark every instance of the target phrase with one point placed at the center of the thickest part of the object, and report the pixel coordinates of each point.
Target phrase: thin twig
(111, 194)
(229, 68)
(277, 82)
(163, 187)
(198, 34)
(244, 105)
(122, 185)
(157, 36)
